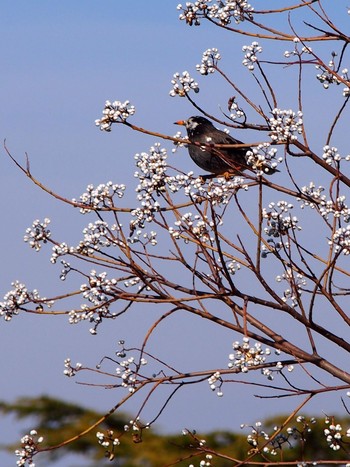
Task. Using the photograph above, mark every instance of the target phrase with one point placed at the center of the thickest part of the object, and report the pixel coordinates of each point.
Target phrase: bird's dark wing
(233, 157)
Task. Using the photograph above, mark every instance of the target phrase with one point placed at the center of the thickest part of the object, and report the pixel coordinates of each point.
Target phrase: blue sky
(60, 62)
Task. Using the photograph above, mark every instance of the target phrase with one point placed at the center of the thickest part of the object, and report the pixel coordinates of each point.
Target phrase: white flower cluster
(131, 282)
(126, 371)
(218, 192)
(279, 219)
(38, 233)
(232, 266)
(99, 281)
(250, 57)
(296, 433)
(215, 383)
(146, 238)
(140, 216)
(333, 434)
(178, 144)
(29, 447)
(134, 425)
(314, 194)
(152, 182)
(274, 247)
(152, 172)
(296, 283)
(296, 51)
(200, 442)
(61, 249)
(236, 112)
(66, 269)
(271, 444)
(199, 226)
(223, 10)
(209, 61)
(345, 75)
(226, 10)
(17, 298)
(70, 370)
(105, 439)
(98, 292)
(262, 158)
(331, 75)
(341, 240)
(269, 373)
(100, 197)
(96, 236)
(332, 156)
(183, 84)
(85, 314)
(246, 356)
(191, 12)
(206, 462)
(260, 439)
(285, 125)
(257, 436)
(337, 208)
(14, 300)
(114, 112)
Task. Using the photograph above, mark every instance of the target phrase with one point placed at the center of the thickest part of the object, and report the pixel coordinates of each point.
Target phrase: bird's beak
(180, 122)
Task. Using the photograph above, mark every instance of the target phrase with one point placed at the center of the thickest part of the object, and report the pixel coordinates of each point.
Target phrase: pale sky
(60, 62)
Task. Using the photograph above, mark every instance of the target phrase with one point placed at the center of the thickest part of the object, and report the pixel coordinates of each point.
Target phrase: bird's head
(194, 123)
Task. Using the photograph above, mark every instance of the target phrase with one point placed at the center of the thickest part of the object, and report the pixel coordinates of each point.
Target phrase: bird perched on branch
(211, 158)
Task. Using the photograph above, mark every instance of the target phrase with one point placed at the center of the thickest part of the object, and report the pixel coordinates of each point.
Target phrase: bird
(225, 162)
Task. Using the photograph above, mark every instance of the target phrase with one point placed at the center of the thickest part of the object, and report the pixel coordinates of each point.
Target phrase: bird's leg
(227, 175)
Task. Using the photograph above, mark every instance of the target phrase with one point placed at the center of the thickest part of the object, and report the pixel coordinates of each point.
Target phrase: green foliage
(60, 420)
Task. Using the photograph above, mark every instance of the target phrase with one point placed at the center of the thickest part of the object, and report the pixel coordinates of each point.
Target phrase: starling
(219, 161)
